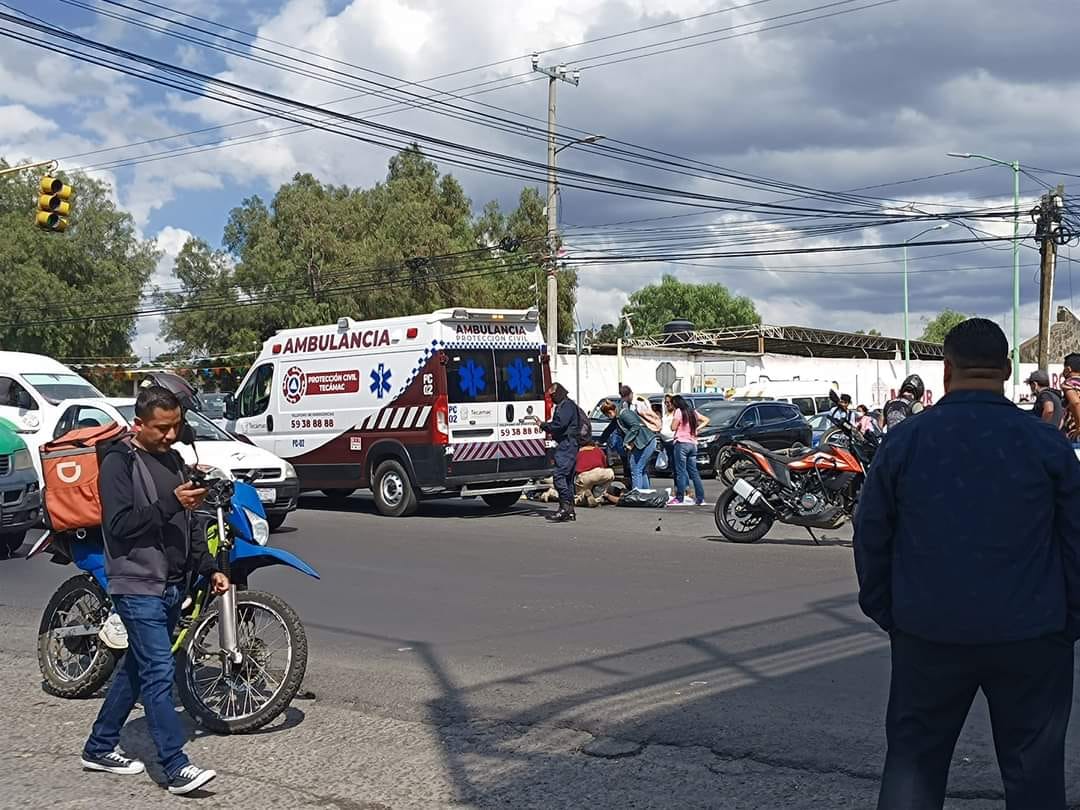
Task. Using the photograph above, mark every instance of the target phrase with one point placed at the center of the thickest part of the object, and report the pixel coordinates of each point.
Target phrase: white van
(424, 405)
(35, 391)
(809, 396)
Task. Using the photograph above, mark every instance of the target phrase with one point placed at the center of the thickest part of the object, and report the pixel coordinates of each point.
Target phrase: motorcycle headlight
(260, 529)
(290, 470)
(23, 460)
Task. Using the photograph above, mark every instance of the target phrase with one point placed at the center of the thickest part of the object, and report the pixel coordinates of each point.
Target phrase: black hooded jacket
(137, 524)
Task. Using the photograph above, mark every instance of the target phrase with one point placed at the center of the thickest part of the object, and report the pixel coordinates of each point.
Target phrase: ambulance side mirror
(230, 407)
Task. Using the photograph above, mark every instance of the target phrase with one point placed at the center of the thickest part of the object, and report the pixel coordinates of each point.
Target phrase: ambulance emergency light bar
(531, 315)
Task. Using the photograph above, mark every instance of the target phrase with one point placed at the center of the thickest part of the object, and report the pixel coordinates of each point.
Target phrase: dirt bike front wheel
(74, 662)
(238, 698)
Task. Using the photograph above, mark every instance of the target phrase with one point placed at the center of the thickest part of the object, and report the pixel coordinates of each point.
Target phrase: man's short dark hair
(625, 391)
(977, 343)
(845, 398)
(153, 398)
(1073, 361)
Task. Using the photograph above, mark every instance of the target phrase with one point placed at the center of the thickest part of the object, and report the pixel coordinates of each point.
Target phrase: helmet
(913, 385)
(188, 396)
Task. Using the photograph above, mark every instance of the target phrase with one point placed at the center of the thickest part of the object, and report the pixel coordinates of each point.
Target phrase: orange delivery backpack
(70, 468)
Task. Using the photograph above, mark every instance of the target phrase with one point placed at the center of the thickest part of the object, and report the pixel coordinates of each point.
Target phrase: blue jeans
(639, 465)
(147, 669)
(686, 463)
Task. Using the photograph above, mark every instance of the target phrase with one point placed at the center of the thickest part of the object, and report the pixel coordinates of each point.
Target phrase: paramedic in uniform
(563, 427)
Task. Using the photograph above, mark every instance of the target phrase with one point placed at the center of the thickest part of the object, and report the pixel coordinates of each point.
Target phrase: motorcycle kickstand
(813, 536)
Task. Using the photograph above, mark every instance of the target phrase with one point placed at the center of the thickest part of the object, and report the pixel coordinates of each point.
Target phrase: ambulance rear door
(473, 410)
(520, 378)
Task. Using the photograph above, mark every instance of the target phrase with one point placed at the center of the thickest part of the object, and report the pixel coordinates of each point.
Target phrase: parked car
(278, 486)
(774, 425)
(20, 492)
(819, 424)
(213, 407)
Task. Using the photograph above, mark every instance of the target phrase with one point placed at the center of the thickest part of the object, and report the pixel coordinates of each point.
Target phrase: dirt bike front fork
(227, 623)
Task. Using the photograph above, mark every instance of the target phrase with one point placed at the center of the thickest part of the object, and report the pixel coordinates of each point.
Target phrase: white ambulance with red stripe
(420, 406)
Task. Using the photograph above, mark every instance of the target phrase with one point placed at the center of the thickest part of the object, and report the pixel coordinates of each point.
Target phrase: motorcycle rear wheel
(76, 666)
(274, 644)
(737, 522)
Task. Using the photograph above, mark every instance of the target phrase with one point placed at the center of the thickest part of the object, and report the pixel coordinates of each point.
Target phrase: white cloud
(823, 104)
(169, 241)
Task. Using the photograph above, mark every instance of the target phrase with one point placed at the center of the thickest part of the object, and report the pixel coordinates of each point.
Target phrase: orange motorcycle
(814, 488)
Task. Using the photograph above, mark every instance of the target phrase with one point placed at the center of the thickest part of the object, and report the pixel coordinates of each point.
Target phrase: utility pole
(559, 73)
(1049, 234)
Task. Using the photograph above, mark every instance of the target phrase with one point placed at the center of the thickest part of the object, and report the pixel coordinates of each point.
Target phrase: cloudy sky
(875, 94)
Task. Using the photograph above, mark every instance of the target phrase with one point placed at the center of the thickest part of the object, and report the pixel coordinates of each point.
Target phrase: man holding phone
(152, 546)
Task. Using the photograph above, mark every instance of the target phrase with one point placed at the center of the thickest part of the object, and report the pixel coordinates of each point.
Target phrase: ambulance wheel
(501, 500)
(276, 521)
(394, 494)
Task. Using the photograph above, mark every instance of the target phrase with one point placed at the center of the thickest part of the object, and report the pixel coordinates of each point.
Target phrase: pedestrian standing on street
(564, 428)
(667, 432)
(686, 422)
(842, 411)
(967, 548)
(1070, 390)
(152, 545)
(907, 403)
(640, 443)
(1048, 406)
(864, 421)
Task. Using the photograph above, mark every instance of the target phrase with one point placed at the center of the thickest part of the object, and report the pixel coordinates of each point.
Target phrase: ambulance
(415, 407)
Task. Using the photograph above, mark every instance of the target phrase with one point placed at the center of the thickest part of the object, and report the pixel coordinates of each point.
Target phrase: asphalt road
(463, 658)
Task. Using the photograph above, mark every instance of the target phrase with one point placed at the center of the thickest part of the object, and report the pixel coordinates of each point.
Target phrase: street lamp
(1015, 166)
(907, 342)
(586, 139)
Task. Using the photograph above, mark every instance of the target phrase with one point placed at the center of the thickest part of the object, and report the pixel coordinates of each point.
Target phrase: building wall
(870, 382)
(1064, 338)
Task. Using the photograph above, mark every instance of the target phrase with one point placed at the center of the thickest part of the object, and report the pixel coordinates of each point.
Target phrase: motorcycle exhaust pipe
(751, 494)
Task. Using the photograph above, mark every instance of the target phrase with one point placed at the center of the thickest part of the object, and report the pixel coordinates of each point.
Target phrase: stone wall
(1064, 338)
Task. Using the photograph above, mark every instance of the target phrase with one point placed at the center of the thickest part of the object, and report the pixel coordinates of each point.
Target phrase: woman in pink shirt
(686, 421)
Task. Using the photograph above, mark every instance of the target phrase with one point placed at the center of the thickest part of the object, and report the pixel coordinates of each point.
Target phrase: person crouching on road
(564, 428)
(151, 546)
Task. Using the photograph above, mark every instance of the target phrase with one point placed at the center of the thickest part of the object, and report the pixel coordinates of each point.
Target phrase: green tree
(523, 284)
(937, 328)
(607, 333)
(318, 252)
(707, 306)
(91, 276)
(205, 275)
(870, 333)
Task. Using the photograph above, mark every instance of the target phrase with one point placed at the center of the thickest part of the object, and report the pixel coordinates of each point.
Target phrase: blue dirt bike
(234, 680)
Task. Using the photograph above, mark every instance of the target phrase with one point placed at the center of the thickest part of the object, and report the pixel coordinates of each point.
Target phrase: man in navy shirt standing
(967, 547)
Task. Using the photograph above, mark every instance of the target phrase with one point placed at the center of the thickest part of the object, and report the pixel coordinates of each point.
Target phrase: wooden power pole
(1047, 218)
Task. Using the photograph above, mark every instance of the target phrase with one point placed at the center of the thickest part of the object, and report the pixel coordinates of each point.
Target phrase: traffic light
(54, 204)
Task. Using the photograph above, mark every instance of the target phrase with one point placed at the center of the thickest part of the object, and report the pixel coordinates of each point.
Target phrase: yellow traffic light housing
(54, 204)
